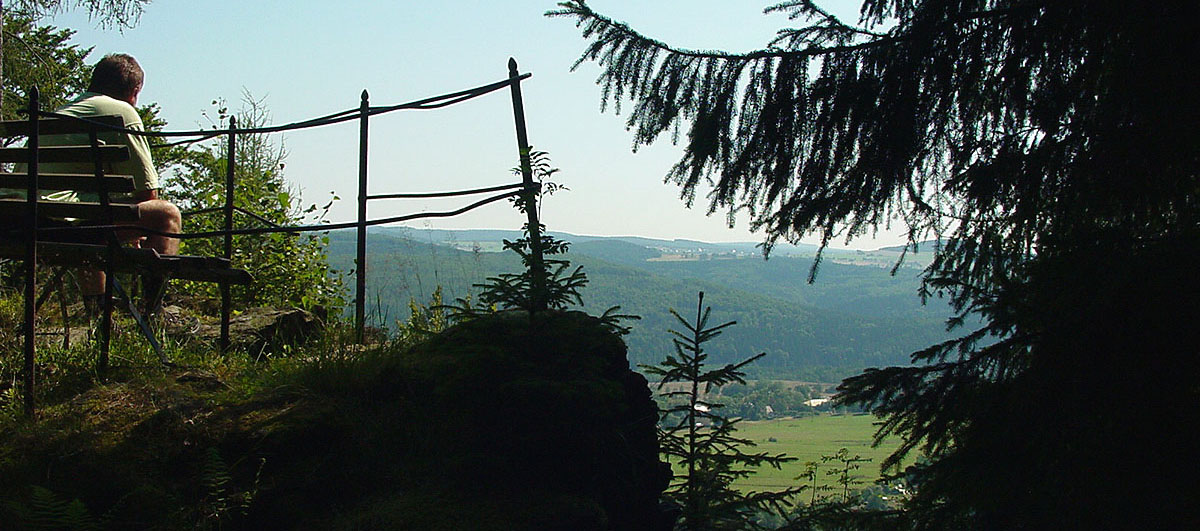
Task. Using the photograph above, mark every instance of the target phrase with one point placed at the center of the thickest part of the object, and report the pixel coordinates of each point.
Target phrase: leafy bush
(289, 269)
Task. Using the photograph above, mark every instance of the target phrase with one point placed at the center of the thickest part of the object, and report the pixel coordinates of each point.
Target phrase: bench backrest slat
(69, 181)
(57, 126)
(81, 158)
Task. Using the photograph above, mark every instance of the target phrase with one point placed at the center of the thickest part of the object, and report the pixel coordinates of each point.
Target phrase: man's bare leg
(91, 282)
(91, 287)
(162, 216)
(155, 214)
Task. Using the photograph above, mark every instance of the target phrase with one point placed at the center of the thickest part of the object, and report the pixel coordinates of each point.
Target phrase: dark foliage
(544, 282)
(1084, 412)
(999, 120)
(40, 55)
(1051, 146)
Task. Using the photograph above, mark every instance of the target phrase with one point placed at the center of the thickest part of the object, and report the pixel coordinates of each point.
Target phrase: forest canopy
(1049, 146)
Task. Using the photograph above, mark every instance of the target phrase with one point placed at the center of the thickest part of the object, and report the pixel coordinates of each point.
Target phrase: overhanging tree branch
(107, 13)
(603, 26)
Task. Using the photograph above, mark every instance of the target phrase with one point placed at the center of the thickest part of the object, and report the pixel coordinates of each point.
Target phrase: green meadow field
(808, 439)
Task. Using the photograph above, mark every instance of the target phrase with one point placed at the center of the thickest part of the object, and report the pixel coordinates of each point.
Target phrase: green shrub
(288, 269)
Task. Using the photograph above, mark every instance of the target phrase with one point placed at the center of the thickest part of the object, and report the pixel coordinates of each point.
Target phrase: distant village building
(816, 402)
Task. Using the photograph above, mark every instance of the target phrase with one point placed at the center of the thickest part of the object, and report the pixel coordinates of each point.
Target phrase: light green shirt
(140, 165)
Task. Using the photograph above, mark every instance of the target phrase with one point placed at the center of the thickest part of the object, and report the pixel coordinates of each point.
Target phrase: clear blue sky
(310, 58)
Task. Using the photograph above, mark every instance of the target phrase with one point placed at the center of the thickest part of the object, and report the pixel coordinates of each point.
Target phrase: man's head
(118, 76)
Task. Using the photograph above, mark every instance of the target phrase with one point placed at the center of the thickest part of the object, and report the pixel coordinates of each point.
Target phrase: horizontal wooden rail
(298, 228)
(448, 194)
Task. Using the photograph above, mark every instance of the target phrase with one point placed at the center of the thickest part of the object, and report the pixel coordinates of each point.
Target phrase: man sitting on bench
(114, 89)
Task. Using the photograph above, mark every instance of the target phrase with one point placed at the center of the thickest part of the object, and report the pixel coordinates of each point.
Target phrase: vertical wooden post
(31, 197)
(360, 266)
(110, 256)
(62, 305)
(530, 192)
(227, 226)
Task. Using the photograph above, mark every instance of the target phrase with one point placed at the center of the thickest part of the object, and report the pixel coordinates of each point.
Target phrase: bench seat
(129, 259)
(120, 212)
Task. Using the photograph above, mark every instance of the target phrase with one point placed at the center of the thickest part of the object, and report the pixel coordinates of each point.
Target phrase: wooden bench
(23, 222)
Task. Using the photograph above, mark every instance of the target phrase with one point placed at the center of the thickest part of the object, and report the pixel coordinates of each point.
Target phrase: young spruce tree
(702, 440)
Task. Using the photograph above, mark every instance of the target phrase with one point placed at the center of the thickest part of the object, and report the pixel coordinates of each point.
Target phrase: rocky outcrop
(260, 331)
(498, 423)
(547, 405)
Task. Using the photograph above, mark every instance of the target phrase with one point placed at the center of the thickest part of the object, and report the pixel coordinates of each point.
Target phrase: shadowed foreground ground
(499, 423)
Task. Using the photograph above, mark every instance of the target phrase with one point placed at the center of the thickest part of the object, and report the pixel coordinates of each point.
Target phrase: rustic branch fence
(528, 188)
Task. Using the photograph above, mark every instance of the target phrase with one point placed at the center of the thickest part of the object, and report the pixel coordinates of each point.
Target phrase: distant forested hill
(856, 315)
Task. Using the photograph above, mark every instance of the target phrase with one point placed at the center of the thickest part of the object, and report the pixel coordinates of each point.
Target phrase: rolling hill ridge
(856, 315)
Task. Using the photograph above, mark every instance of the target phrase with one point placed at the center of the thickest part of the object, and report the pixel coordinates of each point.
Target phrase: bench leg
(56, 284)
(143, 325)
(66, 319)
(29, 331)
(154, 287)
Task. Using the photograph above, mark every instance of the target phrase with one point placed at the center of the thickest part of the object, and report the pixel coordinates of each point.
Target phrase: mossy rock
(499, 423)
(548, 404)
